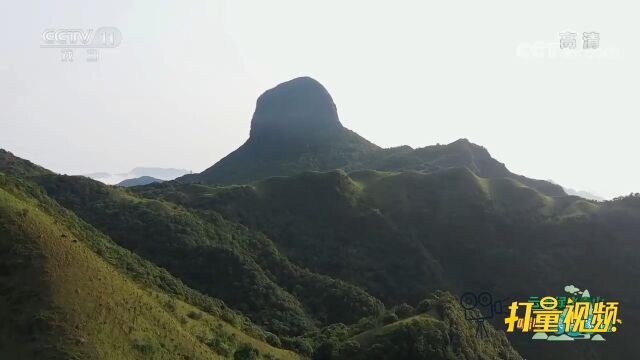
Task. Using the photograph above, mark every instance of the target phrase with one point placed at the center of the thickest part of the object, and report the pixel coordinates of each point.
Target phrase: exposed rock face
(298, 107)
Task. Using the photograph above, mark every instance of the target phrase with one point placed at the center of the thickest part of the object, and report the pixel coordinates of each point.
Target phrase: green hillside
(69, 293)
(18, 166)
(436, 329)
(358, 226)
(402, 235)
(72, 292)
(297, 255)
(200, 246)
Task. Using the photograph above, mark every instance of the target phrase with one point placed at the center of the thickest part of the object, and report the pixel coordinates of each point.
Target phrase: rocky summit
(292, 109)
(295, 128)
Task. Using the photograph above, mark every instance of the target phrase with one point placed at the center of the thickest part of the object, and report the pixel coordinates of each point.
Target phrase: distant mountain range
(153, 172)
(583, 194)
(142, 180)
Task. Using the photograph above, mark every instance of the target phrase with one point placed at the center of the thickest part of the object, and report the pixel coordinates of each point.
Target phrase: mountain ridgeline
(296, 128)
(142, 180)
(307, 242)
(94, 271)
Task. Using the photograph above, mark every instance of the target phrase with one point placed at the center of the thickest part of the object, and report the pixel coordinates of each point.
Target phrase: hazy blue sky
(181, 88)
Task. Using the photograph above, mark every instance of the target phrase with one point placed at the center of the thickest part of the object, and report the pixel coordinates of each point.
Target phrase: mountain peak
(295, 128)
(294, 108)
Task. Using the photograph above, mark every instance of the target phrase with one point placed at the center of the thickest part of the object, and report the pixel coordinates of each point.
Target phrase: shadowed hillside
(403, 235)
(199, 246)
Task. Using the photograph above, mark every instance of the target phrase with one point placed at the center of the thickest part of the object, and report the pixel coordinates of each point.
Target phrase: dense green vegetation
(437, 329)
(344, 263)
(69, 292)
(403, 235)
(300, 255)
(100, 274)
(387, 232)
(199, 246)
(18, 166)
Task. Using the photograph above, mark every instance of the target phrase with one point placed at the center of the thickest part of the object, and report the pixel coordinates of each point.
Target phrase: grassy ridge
(436, 330)
(62, 300)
